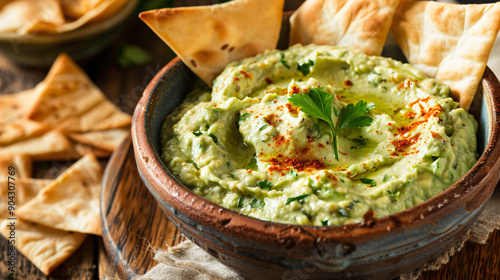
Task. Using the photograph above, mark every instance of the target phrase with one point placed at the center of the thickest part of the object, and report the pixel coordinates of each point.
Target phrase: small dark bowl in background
(40, 50)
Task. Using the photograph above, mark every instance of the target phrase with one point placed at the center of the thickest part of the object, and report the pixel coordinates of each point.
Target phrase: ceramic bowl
(40, 50)
(376, 249)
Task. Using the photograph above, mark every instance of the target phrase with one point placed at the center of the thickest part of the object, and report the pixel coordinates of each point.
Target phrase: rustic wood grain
(133, 224)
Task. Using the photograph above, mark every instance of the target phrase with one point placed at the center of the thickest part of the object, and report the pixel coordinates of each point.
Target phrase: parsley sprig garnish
(318, 103)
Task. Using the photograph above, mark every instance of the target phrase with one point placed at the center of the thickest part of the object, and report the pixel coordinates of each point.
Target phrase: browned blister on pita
(22, 189)
(357, 24)
(15, 166)
(70, 102)
(45, 247)
(449, 42)
(106, 139)
(208, 38)
(70, 202)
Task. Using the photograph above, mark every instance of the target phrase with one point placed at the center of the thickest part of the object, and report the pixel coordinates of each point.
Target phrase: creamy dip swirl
(246, 147)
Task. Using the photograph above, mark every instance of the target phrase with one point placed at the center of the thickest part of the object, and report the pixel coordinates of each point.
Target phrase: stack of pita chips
(65, 117)
(449, 42)
(53, 16)
(53, 218)
(62, 118)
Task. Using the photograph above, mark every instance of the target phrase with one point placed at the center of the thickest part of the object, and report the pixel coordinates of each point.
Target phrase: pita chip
(45, 247)
(208, 38)
(107, 140)
(25, 190)
(70, 202)
(20, 130)
(16, 167)
(20, 15)
(16, 105)
(69, 101)
(52, 145)
(358, 24)
(447, 41)
(74, 8)
(80, 149)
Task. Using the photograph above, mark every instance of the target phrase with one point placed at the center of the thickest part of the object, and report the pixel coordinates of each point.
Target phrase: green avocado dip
(248, 148)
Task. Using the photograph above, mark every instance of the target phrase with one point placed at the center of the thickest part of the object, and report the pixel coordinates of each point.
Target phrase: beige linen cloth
(187, 261)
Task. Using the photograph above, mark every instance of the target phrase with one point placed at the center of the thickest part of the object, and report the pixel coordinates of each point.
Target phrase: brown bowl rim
(230, 222)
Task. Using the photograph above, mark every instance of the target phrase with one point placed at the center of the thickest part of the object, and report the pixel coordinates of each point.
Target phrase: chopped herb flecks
(197, 133)
(305, 68)
(243, 117)
(265, 185)
(283, 61)
(253, 164)
(343, 212)
(257, 203)
(299, 199)
(367, 181)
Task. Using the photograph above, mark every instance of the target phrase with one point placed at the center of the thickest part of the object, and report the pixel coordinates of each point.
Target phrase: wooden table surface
(124, 87)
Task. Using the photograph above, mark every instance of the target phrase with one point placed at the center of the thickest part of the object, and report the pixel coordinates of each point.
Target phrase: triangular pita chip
(106, 139)
(79, 150)
(69, 101)
(16, 105)
(15, 167)
(20, 130)
(447, 41)
(358, 24)
(208, 38)
(45, 247)
(49, 146)
(70, 202)
(25, 190)
(20, 15)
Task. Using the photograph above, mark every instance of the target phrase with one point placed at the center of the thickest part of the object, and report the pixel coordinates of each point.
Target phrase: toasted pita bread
(20, 15)
(49, 146)
(16, 105)
(96, 11)
(45, 247)
(80, 149)
(20, 130)
(21, 165)
(25, 190)
(106, 140)
(69, 101)
(75, 8)
(449, 42)
(70, 202)
(358, 24)
(208, 38)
